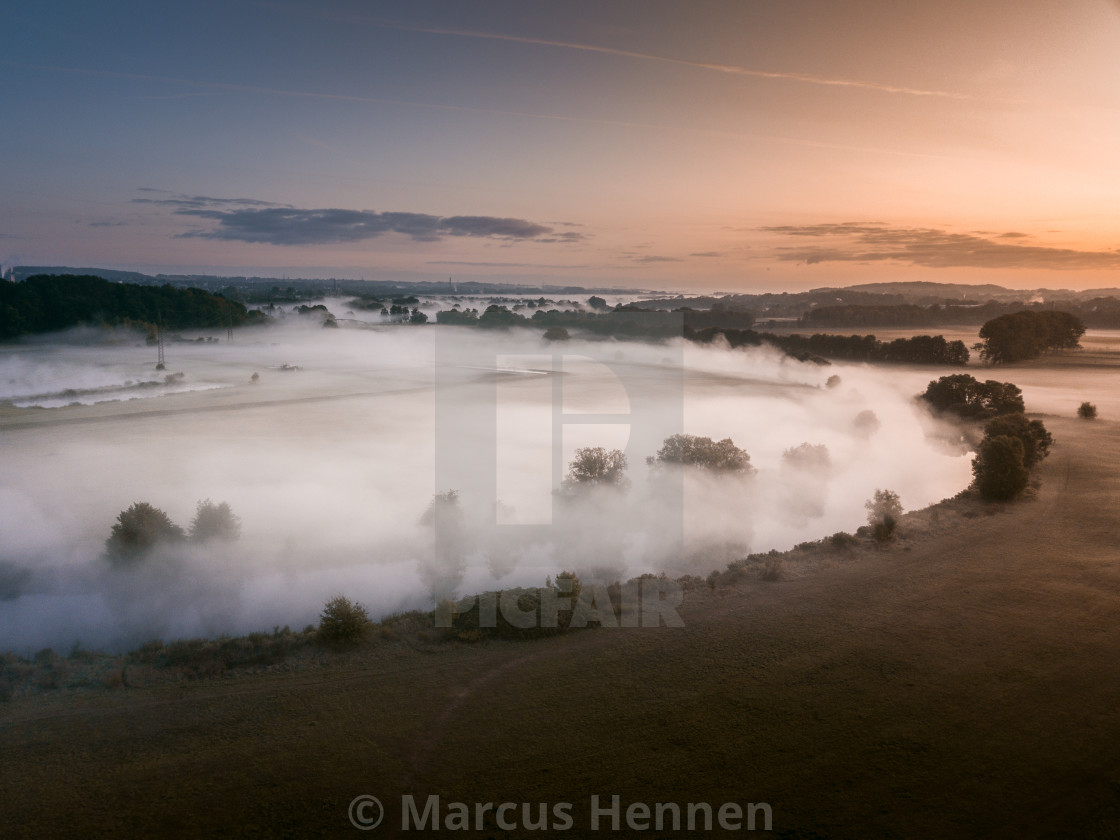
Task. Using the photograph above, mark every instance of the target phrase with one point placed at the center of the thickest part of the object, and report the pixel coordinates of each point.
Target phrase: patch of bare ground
(961, 681)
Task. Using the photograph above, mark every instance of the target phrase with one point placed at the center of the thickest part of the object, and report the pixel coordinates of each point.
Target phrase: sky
(700, 146)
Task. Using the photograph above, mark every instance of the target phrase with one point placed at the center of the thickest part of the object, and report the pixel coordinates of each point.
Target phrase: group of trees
(1012, 445)
(48, 302)
(1028, 334)
(142, 527)
(1011, 448)
(967, 397)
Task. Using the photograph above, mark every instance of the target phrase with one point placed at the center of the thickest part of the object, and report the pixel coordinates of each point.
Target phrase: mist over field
(330, 460)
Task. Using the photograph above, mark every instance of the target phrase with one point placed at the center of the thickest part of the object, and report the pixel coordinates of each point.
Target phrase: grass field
(964, 682)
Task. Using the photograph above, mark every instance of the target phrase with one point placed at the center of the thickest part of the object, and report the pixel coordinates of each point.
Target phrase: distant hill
(22, 272)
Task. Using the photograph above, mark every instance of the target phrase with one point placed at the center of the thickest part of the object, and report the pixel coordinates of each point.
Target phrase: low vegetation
(1087, 411)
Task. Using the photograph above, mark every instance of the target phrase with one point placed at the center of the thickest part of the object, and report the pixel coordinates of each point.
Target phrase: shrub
(999, 468)
(556, 334)
(138, 530)
(343, 621)
(883, 512)
(1087, 411)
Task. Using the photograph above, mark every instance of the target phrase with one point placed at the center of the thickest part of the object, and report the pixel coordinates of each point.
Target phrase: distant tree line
(920, 349)
(1100, 313)
(45, 303)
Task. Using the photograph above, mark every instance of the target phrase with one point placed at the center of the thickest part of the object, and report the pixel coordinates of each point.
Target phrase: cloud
(931, 248)
(201, 201)
(705, 254)
(264, 222)
(654, 259)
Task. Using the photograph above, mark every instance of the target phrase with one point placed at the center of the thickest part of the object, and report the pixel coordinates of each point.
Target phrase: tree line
(919, 349)
(45, 303)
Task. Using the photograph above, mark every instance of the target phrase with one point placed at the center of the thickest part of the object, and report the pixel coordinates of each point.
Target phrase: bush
(556, 334)
(883, 512)
(138, 530)
(1087, 411)
(343, 622)
(999, 468)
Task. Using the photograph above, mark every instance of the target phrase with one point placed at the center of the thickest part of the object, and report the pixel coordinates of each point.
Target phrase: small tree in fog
(1087, 411)
(138, 530)
(883, 512)
(866, 423)
(808, 456)
(1031, 433)
(343, 621)
(215, 522)
(595, 466)
(704, 453)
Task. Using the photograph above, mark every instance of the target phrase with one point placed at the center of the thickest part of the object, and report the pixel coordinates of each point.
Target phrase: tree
(556, 334)
(595, 466)
(1087, 411)
(1031, 434)
(214, 522)
(999, 469)
(343, 621)
(808, 456)
(138, 530)
(417, 317)
(703, 453)
(597, 303)
(883, 512)
(866, 422)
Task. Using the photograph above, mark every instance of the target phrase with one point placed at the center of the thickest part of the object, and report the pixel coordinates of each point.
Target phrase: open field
(963, 684)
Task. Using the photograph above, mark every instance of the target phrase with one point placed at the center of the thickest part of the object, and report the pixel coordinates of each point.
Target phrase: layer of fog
(332, 465)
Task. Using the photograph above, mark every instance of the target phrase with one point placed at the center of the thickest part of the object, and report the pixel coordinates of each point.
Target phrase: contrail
(731, 69)
(344, 97)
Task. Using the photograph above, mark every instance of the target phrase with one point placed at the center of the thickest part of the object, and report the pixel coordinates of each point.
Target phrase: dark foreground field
(964, 684)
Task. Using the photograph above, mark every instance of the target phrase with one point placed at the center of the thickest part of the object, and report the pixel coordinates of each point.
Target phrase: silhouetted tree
(138, 530)
(1028, 334)
(999, 469)
(556, 334)
(1087, 411)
